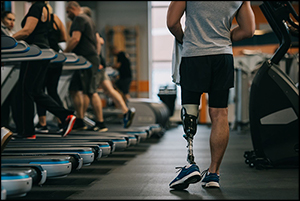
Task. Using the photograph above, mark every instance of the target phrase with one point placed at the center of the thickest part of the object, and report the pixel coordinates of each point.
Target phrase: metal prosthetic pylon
(190, 129)
(190, 155)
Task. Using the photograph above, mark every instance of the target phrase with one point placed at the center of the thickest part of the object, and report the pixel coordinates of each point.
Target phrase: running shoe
(6, 136)
(128, 117)
(33, 137)
(79, 125)
(189, 174)
(41, 129)
(99, 127)
(210, 180)
(68, 125)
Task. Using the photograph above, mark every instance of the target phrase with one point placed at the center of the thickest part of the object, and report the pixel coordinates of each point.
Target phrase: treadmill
(116, 142)
(131, 139)
(103, 149)
(13, 51)
(86, 153)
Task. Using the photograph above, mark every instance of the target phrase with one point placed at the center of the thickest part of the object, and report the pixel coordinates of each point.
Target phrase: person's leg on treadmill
(76, 94)
(128, 113)
(78, 103)
(98, 111)
(86, 102)
(115, 95)
(53, 76)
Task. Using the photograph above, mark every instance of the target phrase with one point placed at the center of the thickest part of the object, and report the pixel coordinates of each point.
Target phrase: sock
(191, 109)
(208, 172)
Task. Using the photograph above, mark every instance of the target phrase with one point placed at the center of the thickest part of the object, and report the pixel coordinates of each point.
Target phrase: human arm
(61, 27)
(73, 41)
(28, 28)
(100, 42)
(117, 65)
(246, 23)
(175, 12)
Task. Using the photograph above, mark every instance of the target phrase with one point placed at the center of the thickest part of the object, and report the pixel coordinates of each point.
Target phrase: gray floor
(144, 172)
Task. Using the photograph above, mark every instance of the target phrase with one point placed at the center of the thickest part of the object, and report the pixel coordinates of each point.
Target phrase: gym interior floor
(143, 172)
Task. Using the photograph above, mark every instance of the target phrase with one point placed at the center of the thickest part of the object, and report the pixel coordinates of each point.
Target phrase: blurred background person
(57, 34)
(35, 27)
(123, 66)
(7, 23)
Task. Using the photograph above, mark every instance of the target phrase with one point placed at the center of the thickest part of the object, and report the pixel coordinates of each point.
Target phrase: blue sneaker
(128, 117)
(189, 174)
(210, 180)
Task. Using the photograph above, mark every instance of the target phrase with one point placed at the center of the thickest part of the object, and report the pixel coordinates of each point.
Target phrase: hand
(100, 67)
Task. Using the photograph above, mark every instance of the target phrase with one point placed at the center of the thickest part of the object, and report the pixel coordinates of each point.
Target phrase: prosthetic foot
(190, 129)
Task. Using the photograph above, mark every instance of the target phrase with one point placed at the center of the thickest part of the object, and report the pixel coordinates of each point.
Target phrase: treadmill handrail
(8, 42)
(71, 57)
(76, 66)
(32, 52)
(81, 60)
(22, 46)
(45, 54)
(60, 58)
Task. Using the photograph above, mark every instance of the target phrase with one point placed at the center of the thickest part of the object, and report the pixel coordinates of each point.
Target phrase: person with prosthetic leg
(207, 67)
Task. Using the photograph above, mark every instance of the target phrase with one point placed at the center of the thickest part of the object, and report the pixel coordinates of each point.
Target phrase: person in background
(7, 23)
(35, 26)
(57, 33)
(106, 84)
(84, 83)
(123, 66)
(207, 67)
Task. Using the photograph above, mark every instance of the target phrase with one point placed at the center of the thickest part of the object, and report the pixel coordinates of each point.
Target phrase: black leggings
(29, 90)
(216, 99)
(51, 84)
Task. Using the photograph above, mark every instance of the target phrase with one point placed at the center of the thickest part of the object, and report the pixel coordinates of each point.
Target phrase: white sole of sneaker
(186, 179)
(42, 131)
(211, 184)
(103, 130)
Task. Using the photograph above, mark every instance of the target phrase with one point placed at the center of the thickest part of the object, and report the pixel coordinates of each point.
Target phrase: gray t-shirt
(207, 27)
(87, 45)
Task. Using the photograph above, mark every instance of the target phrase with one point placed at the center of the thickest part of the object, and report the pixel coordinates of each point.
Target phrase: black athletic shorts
(212, 74)
(207, 73)
(86, 80)
(216, 99)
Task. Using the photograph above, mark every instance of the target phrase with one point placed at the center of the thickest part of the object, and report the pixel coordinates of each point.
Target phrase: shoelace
(204, 172)
(180, 168)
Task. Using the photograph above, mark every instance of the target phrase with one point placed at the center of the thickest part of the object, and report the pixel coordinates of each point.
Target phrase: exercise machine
(86, 153)
(274, 99)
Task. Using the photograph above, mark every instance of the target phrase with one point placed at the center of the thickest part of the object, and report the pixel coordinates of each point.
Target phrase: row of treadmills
(27, 162)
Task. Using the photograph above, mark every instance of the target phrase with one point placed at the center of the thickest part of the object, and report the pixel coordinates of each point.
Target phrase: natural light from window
(162, 47)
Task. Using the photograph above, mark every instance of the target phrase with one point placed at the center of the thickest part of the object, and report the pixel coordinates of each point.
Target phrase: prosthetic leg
(190, 129)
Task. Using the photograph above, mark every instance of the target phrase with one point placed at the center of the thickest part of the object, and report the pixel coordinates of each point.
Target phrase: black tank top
(39, 36)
